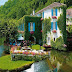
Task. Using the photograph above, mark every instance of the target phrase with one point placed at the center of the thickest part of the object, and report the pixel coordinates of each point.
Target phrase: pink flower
(41, 19)
(64, 45)
(41, 31)
(23, 52)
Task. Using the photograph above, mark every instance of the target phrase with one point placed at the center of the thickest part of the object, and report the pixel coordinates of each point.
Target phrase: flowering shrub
(31, 32)
(64, 45)
(54, 31)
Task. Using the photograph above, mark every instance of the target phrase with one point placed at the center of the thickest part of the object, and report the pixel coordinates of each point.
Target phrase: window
(48, 39)
(54, 13)
(54, 26)
(31, 26)
(54, 39)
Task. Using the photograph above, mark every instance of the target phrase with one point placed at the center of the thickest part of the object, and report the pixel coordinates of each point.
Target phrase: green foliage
(69, 7)
(37, 47)
(18, 8)
(62, 24)
(58, 44)
(29, 58)
(8, 29)
(70, 29)
(47, 28)
(53, 44)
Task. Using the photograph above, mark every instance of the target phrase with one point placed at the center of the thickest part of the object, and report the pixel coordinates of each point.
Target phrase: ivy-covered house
(57, 13)
(34, 28)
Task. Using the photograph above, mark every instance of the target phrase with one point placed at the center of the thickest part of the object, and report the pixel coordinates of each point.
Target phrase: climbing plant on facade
(62, 23)
(38, 27)
(46, 28)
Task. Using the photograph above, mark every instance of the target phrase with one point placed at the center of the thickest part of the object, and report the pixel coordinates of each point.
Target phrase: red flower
(54, 31)
(54, 17)
(31, 32)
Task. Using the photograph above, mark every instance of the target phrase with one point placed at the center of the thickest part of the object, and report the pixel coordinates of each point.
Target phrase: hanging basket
(31, 32)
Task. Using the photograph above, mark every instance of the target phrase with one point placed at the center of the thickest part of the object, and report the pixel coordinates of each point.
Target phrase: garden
(26, 53)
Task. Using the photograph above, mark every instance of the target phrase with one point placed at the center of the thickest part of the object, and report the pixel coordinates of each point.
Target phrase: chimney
(33, 12)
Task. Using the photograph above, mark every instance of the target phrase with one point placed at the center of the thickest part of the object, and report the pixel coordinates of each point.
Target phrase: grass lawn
(6, 63)
(37, 47)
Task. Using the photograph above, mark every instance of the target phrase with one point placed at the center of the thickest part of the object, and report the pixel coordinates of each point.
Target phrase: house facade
(53, 11)
(31, 26)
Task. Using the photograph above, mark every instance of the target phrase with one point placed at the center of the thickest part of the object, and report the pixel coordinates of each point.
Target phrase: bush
(58, 44)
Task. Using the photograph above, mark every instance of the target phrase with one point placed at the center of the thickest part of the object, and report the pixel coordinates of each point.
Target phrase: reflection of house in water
(62, 61)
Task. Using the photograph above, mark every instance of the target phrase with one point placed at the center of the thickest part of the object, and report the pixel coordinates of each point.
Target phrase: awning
(20, 38)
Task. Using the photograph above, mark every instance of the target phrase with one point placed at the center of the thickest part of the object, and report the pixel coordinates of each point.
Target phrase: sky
(2, 2)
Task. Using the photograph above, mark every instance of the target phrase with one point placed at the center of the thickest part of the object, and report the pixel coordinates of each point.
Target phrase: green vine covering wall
(62, 23)
(46, 28)
(38, 27)
(59, 43)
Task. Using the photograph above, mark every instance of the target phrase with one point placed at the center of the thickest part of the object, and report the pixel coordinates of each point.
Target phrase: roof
(69, 12)
(55, 4)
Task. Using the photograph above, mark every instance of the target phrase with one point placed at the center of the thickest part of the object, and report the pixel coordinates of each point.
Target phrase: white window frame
(31, 26)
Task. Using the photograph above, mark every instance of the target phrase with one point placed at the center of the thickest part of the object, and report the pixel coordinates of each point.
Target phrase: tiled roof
(55, 4)
(69, 12)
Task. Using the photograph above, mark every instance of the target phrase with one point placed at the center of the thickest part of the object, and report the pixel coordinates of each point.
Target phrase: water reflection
(1, 50)
(41, 66)
(58, 62)
(61, 60)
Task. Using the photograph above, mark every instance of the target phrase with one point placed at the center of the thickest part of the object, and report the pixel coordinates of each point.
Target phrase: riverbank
(16, 66)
